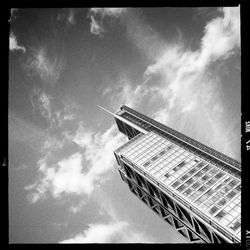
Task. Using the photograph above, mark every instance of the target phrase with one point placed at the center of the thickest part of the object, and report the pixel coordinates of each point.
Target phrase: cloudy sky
(180, 66)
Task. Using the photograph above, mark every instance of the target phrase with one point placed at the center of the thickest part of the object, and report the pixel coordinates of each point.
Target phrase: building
(191, 186)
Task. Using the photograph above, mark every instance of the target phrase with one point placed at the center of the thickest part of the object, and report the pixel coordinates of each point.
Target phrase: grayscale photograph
(124, 125)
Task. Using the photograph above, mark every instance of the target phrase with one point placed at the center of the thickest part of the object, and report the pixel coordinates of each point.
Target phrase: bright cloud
(124, 93)
(47, 68)
(182, 70)
(182, 80)
(98, 151)
(95, 27)
(13, 45)
(113, 232)
(222, 36)
(80, 173)
(97, 18)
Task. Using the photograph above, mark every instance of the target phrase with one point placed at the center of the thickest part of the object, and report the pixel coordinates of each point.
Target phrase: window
(213, 209)
(232, 183)
(201, 189)
(195, 185)
(184, 177)
(231, 194)
(188, 191)
(181, 188)
(220, 215)
(219, 175)
(175, 184)
(236, 225)
(205, 177)
(190, 181)
(222, 202)
(192, 171)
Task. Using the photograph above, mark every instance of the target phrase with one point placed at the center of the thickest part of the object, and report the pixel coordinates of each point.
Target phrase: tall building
(191, 186)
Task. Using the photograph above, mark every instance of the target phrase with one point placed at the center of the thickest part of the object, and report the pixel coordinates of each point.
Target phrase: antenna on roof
(105, 110)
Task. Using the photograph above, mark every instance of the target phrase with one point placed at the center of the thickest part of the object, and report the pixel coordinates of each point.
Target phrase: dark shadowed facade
(193, 187)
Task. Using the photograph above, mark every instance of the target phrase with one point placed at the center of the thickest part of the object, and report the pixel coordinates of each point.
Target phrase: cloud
(55, 115)
(71, 17)
(182, 86)
(20, 130)
(13, 45)
(78, 207)
(67, 15)
(181, 69)
(42, 101)
(95, 27)
(222, 36)
(113, 232)
(124, 93)
(81, 172)
(97, 16)
(13, 12)
(112, 12)
(189, 106)
(98, 152)
(48, 68)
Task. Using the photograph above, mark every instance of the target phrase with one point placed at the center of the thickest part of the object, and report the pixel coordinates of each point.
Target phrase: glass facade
(196, 184)
(206, 187)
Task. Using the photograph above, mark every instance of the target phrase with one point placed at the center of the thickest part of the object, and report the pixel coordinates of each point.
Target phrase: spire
(106, 110)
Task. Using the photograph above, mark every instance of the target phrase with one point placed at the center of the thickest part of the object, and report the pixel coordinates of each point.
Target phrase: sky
(180, 66)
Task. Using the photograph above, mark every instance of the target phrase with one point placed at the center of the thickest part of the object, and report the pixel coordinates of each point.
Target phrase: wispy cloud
(78, 207)
(188, 83)
(23, 131)
(55, 116)
(81, 172)
(13, 44)
(182, 80)
(13, 14)
(67, 15)
(113, 232)
(97, 16)
(71, 17)
(48, 68)
(181, 69)
(222, 36)
(96, 28)
(124, 92)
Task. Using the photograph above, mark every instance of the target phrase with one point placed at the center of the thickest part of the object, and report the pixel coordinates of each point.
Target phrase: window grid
(176, 155)
(197, 185)
(220, 197)
(210, 183)
(157, 125)
(186, 185)
(170, 174)
(173, 159)
(228, 200)
(197, 200)
(143, 144)
(192, 173)
(230, 212)
(164, 164)
(143, 153)
(170, 150)
(161, 170)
